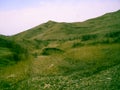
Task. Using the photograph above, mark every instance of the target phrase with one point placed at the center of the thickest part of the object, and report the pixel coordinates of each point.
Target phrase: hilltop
(101, 26)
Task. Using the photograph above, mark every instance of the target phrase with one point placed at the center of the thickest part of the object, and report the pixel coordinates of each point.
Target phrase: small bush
(51, 51)
(113, 34)
(88, 37)
(77, 45)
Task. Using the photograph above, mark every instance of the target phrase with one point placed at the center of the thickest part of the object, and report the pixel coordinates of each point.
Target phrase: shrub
(88, 37)
(51, 51)
(78, 44)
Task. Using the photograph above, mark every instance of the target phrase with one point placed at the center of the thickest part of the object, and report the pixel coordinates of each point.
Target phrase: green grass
(78, 68)
(6, 57)
(11, 75)
(63, 56)
(92, 58)
(104, 80)
(92, 28)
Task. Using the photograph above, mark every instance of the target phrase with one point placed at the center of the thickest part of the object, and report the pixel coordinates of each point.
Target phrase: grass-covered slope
(64, 56)
(104, 26)
(88, 68)
(11, 52)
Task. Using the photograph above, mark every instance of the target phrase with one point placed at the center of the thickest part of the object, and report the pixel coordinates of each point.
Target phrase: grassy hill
(63, 56)
(101, 27)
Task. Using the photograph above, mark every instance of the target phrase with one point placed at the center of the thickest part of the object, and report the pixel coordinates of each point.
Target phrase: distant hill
(103, 26)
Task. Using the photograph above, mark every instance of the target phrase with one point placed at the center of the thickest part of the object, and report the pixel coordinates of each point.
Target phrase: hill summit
(54, 30)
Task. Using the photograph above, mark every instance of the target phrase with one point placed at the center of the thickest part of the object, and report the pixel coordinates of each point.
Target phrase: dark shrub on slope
(51, 51)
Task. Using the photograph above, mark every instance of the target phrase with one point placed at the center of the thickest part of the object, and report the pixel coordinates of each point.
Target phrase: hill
(102, 26)
(63, 56)
(103, 29)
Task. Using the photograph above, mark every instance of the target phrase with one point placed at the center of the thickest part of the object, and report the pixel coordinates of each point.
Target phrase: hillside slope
(102, 26)
(63, 56)
(11, 52)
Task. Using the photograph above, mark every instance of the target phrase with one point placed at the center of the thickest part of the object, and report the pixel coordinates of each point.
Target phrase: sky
(20, 15)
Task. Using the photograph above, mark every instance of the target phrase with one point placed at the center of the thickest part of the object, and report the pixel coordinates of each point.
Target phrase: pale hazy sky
(19, 15)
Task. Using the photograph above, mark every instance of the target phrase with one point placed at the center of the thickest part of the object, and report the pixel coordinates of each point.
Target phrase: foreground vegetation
(92, 67)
